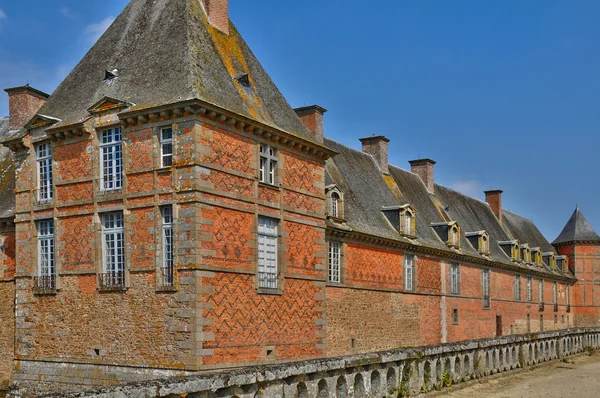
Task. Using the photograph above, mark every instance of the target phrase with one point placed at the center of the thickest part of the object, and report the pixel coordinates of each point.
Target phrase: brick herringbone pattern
(140, 183)
(301, 261)
(228, 151)
(230, 183)
(232, 232)
(140, 150)
(73, 160)
(74, 192)
(142, 239)
(300, 201)
(245, 321)
(78, 243)
(300, 173)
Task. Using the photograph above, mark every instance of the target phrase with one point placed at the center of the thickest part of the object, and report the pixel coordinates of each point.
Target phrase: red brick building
(166, 211)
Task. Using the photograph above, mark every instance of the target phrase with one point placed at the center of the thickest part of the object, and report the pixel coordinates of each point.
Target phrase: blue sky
(503, 94)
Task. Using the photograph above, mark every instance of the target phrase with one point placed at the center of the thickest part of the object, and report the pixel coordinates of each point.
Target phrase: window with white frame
(454, 278)
(529, 288)
(555, 293)
(517, 287)
(334, 261)
(335, 202)
(485, 284)
(409, 272)
(408, 222)
(44, 172)
(46, 264)
(113, 250)
(111, 172)
(541, 291)
(267, 252)
(167, 245)
(166, 147)
(268, 164)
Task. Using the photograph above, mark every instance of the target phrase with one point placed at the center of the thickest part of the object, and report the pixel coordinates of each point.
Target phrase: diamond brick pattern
(300, 201)
(229, 151)
(142, 238)
(73, 160)
(301, 261)
(245, 321)
(232, 232)
(140, 183)
(300, 174)
(139, 147)
(230, 183)
(78, 243)
(74, 192)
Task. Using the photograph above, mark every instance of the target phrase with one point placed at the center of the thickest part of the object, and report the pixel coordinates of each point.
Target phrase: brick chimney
(23, 104)
(377, 146)
(424, 169)
(218, 14)
(312, 117)
(494, 199)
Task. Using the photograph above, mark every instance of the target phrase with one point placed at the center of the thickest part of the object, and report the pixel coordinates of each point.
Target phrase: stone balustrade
(396, 373)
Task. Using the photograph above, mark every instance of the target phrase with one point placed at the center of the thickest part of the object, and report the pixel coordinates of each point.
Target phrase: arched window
(454, 237)
(335, 198)
(408, 218)
(485, 244)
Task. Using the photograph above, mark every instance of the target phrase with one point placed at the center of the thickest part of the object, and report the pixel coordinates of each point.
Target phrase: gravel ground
(579, 377)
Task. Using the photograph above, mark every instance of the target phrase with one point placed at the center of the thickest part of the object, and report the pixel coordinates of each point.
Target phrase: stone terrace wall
(397, 372)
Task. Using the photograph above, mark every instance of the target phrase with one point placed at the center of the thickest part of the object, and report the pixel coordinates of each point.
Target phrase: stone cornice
(211, 112)
(386, 242)
(66, 132)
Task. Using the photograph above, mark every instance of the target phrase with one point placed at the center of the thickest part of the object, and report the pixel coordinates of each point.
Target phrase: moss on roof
(7, 175)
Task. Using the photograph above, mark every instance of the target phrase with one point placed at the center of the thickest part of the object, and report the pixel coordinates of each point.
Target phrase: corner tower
(581, 244)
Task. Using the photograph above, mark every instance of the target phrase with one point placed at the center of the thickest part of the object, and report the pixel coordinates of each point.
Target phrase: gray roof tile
(577, 229)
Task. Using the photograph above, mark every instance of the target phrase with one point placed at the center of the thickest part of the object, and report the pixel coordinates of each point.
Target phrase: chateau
(165, 211)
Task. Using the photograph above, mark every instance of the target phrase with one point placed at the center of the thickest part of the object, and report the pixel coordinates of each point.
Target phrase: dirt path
(580, 378)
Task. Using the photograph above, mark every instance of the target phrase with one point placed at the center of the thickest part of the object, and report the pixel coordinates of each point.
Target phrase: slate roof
(577, 229)
(7, 175)
(366, 191)
(165, 52)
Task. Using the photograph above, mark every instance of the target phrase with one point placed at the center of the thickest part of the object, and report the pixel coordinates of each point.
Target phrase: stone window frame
(486, 284)
(455, 316)
(555, 293)
(171, 276)
(564, 265)
(35, 270)
(342, 265)
(525, 253)
(269, 157)
(280, 253)
(517, 287)
(413, 268)
(483, 241)
(541, 291)
(529, 288)
(48, 159)
(100, 261)
(99, 133)
(537, 257)
(551, 258)
(162, 142)
(408, 211)
(454, 235)
(330, 190)
(456, 266)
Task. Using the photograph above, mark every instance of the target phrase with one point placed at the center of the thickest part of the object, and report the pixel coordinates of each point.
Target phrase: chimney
(23, 104)
(377, 146)
(494, 199)
(218, 14)
(424, 169)
(312, 117)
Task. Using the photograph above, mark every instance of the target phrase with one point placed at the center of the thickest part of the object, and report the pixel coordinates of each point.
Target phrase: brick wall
(7, 331)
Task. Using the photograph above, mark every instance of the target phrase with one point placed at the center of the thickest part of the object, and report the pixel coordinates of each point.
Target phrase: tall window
(485, 244)
(541, 291)
(555, 295)
(334, 262)
(529, 288)
(44, 172)
(409, 272)
(408, 222)
(454, 278)
(568, 294)
(335, 199)
(166, 147)
(517, 287)
(268, 164)
(46, 266)
(113, 248)
(267, 253)
(111, 172)
(485, 283)
(167, 244)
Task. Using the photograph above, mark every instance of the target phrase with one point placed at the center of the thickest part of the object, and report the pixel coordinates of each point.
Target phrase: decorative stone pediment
(107, 104)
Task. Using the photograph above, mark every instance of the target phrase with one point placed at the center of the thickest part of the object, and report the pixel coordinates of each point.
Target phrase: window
(408, 223)
(455, 316)
(485, 282)
(517, 287)
(111, 172)
(44, 172)
(334, 262)
(268, 164)
(568, 297)
(267, 253)
(409, 274)
(167, 244)
(454, 278)
(113, 251)
(335, 199)
(541, 294)
(485, 244)
(46, 279)
(166, 147)
(529, 288)
(555, 295)
(454, 236)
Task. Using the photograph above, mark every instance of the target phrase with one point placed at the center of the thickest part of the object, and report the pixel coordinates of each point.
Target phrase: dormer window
(550, 259)
(449, 232)
(562, 263)
(526, 253)
(536, 255)
(480, 240)
(335, 202)
(403, 219)
(512, 249)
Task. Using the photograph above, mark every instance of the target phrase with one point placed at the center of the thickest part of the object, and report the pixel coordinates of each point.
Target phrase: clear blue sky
(502, 94)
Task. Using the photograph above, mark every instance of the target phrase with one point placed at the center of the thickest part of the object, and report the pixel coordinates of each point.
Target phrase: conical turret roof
(165, 51)
(577, 230)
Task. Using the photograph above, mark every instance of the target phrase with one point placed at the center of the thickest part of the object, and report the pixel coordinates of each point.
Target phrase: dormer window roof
(526, 253)
(403, 219)
(449, 233)
(511, 248)
(536, 256)
(562, 263)
(335, 202)
(550, 259)
(480, 240)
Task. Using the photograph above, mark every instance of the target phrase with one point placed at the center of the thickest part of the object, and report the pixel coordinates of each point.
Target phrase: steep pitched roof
(525, 231)
(7, 175)
(165, 52)
(577, 230)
